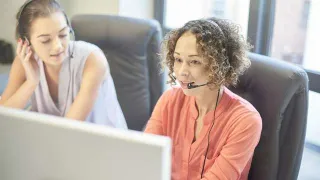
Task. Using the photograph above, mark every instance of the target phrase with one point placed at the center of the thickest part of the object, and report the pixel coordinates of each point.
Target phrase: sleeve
(238, 150)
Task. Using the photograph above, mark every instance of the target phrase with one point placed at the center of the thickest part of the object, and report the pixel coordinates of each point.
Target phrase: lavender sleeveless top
(106, 110)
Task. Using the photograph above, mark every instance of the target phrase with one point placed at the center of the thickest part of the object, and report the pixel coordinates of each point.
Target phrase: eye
(63, 35)
(177, 60)
(195, 62)
(46, 42)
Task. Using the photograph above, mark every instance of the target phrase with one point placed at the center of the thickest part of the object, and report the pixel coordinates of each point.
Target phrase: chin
(57, 60)
(51, 62)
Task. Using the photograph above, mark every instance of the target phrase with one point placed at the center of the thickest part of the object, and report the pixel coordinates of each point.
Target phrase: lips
(184, 84)
(55, 55)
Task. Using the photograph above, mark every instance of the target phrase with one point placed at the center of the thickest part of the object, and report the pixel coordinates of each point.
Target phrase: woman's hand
(29, 64)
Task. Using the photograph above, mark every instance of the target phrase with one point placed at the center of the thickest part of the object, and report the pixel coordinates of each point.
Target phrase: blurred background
(283, 29)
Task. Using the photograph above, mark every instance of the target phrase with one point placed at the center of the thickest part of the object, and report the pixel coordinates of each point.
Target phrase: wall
(8, 24)
(136, 8)
(91, 7)
(7, 19)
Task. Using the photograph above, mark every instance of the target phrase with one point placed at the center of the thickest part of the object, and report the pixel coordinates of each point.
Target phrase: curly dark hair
(218, 41)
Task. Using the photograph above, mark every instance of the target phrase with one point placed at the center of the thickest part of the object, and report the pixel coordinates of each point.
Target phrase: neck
(207, 101)
(52, 71)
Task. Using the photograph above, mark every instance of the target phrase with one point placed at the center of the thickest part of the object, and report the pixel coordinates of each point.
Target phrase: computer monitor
(35, 146)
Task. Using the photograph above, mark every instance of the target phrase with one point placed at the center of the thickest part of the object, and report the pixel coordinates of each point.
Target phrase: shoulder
(89, 57)
(96, 63)
(173, 100)
(243, 113)
(83, 50)
(173, 95)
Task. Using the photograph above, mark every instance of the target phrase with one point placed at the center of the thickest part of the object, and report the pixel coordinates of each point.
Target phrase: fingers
(24, 48)
(19, 47)
(29, 53)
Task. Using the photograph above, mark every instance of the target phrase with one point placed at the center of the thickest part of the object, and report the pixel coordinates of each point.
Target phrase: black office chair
(279, 91)
(131, 47)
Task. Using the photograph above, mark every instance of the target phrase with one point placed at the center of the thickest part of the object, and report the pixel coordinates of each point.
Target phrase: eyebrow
(192, 55)
(49, 34)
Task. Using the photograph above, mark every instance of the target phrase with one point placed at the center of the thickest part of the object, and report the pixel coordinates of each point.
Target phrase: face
(50, 38)
(189, 66)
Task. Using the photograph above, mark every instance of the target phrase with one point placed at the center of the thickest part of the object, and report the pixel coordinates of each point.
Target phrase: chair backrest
(279, 91)
(131, 47)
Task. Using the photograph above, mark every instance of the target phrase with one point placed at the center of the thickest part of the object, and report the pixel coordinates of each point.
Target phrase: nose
(57, 45)
(183, 69)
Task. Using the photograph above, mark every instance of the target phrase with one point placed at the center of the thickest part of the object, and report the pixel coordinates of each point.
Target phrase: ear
(27, 40)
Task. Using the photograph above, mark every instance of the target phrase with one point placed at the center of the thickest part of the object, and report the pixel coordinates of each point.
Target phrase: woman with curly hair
(214, 132)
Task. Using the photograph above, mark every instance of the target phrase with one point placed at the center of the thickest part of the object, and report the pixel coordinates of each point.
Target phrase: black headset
(214, 118)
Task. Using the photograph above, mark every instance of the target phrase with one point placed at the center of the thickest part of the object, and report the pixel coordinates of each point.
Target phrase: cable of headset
(214, 118)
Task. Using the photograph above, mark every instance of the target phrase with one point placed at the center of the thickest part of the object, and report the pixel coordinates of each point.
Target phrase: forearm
(82, 105)
(78, 114)
(21, 97)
